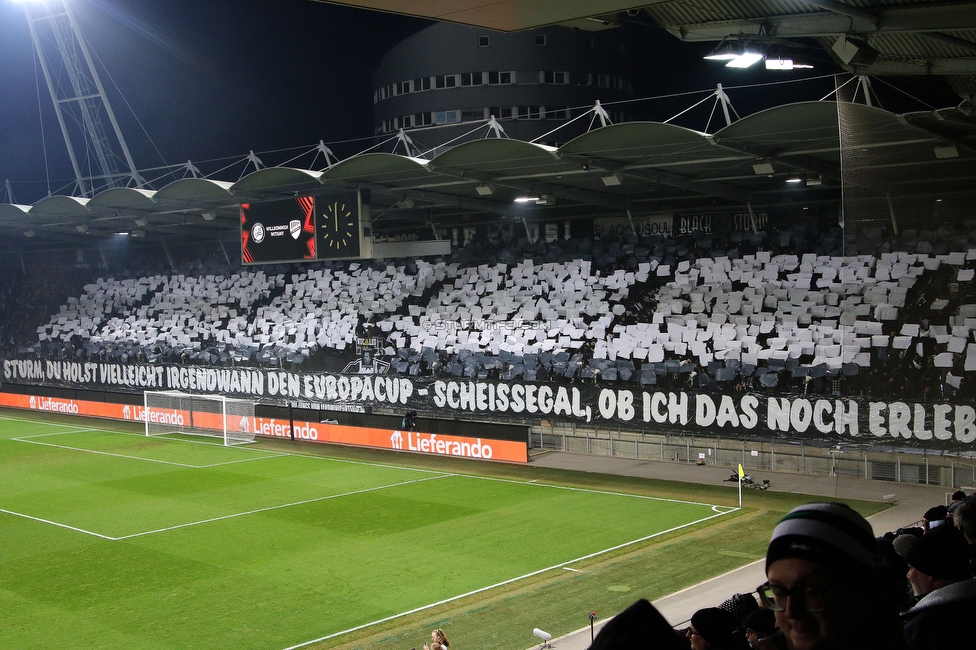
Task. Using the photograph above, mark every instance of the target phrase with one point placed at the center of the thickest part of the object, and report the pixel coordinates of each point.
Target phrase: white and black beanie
(830, 534)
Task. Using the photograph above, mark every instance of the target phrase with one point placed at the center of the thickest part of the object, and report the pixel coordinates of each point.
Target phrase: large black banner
(593, 405)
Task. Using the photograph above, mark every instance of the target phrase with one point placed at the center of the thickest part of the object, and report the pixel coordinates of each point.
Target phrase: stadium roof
(642, 168)
(897, 37)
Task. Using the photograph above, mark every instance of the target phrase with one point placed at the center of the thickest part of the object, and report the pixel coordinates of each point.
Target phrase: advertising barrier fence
(793, 416)
(414, 441)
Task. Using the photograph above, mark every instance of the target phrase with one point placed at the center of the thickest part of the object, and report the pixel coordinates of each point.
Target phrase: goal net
(202, 415)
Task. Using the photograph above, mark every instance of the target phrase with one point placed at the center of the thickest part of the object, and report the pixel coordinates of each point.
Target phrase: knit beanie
(904, 543)
(715, 625)
(830, 534)
(936, 514)
(761, 621)
(941, 553)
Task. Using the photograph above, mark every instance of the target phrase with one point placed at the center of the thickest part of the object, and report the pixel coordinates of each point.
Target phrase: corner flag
(741, 475)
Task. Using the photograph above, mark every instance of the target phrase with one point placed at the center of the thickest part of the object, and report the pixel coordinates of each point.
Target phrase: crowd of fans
(831, 584)
(777, 311)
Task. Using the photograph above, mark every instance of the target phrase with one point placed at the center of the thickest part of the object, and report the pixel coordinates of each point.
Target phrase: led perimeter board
(278, 231)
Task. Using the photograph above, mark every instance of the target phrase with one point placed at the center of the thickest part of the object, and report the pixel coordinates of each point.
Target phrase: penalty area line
(59, 525)
(504, 582)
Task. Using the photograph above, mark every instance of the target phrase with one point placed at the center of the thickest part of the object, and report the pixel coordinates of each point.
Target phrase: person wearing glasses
(822, 585)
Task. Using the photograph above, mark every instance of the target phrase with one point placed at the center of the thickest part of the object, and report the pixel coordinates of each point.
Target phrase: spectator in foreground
(939, 573)
(934, 517)
(823, 586)
(639, 627)
(715, 628)
(760, 626)
(964, 518)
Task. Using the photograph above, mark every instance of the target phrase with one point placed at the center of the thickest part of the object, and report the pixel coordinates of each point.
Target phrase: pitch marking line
(27, 439)
(507, 582)
(54, 523)
(230, 516)
(535, 483)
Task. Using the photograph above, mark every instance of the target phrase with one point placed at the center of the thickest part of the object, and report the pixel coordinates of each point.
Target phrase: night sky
(207, 79)
(210, 80)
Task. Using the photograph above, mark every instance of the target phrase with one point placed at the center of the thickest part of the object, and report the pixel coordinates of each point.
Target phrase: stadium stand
(776, 311)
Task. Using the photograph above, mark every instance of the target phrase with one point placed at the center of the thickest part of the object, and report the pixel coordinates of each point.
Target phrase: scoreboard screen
(278, 231)
(304, 228)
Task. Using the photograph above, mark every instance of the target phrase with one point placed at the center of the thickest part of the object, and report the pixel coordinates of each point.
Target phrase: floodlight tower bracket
(102, 159)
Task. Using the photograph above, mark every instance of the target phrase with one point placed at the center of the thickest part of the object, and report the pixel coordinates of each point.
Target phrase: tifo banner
(416, 441)
(592, 404)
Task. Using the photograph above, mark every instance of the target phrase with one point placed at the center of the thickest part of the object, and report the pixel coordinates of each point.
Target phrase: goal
(203, 415)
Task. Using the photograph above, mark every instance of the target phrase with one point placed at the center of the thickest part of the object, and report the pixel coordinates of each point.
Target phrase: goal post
(202, 415)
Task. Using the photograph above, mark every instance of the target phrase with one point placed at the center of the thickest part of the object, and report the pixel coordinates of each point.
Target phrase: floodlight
(138, 233)
(946, 151)
(794, 179)
(209, 215)
(724, 51)
(29, 233)
(141, 221)
(82, 227)
(763, 168)
(785, 64)
(814, 180)
(527, 199)
(612, 179)
(484, 190)
(406, 203)
(745, 60)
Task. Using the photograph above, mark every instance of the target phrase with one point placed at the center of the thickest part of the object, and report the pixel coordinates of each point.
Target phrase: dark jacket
(941, 620)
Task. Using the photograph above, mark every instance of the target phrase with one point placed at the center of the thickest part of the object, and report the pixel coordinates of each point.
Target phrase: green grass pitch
(110, 539)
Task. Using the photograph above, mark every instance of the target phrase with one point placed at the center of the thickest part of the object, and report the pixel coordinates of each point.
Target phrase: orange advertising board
(414, 441)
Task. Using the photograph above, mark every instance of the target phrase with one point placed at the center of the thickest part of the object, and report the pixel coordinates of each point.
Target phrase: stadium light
(785, 64)
(141, 221)
(209, 215)
(527, 199)
(485, 190)
(29, 233)
(82, 227)
(745, 60)
(612, 179)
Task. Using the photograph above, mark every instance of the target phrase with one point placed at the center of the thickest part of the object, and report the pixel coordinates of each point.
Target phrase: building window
(550, 77)
(528, 112)
(446, 117)
(473, 115)
(603, 80)
(471, 78)
(506, 77)
(540, 40)
(484, 41)
(422, 83)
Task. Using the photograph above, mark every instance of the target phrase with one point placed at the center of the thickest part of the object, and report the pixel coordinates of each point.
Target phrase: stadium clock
(338, 227)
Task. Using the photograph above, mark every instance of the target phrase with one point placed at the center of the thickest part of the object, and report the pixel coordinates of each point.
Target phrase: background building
(531, 81)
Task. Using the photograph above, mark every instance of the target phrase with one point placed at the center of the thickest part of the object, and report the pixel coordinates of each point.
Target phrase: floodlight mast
(79, 99)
